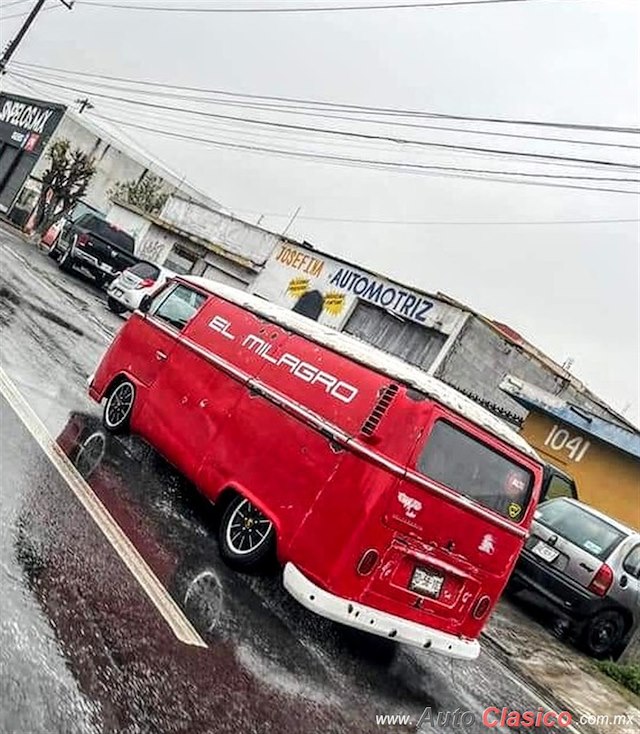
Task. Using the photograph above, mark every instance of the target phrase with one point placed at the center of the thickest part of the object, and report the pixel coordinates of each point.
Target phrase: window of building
(464, 464)
(180, 260)
(418, 345)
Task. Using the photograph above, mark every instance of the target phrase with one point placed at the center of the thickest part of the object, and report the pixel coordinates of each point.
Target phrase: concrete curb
(506, 655)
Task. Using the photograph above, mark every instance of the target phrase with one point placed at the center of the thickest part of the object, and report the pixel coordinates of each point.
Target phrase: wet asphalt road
(82, 649)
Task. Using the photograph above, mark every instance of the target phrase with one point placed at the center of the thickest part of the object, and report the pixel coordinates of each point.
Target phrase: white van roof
(369, 356)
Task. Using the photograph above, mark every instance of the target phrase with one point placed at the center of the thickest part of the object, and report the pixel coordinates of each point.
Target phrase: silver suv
(586, 566)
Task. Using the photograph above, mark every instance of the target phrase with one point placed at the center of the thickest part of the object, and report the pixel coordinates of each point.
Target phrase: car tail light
(82, 240)
(602, 581)
(367, 562)
(146, 283)
(481, 607)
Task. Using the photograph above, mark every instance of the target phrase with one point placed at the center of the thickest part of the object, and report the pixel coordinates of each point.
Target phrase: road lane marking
(158, 595)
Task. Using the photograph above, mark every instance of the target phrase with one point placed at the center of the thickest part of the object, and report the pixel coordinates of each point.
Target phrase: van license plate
(546, 552)
(426, 581)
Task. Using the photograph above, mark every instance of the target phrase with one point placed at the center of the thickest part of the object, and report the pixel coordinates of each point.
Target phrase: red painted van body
(399, 506)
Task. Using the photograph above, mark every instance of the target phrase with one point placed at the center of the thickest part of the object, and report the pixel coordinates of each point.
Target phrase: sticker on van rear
(487, 544)
(411, 505)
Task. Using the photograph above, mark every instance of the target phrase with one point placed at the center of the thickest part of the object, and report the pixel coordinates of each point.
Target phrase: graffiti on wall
(154, 250)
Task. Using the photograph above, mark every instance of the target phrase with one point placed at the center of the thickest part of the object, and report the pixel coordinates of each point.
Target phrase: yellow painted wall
(607, 478)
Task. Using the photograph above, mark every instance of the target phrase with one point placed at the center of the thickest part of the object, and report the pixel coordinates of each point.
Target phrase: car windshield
(580, 527)
(107, 231)
(463, 463)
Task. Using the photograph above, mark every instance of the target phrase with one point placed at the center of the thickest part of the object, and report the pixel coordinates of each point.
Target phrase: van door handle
(161, 356)
(587, 568)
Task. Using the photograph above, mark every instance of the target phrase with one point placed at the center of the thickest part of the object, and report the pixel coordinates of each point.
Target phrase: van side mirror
(145, 303)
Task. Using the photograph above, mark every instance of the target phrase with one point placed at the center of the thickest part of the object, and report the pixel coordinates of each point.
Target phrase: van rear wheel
(117, 409)
(246, 536)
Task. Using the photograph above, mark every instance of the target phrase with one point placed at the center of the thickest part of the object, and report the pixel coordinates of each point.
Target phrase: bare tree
(64, 183)
(146, 193)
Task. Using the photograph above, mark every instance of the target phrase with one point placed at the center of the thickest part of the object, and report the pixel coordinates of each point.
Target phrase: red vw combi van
(395, 504)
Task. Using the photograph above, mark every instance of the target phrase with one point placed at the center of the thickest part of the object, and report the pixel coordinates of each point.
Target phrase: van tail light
(481, 607)
(82, 240)
(601, 582)
(367, 562)
(145, 283)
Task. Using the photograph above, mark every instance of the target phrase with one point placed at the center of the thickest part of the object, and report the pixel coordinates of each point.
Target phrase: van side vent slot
(379, 409)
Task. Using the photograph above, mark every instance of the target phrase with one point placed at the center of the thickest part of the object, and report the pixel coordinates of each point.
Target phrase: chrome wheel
(91, 453)
(203, 600)
(119, 405)
(247, 529)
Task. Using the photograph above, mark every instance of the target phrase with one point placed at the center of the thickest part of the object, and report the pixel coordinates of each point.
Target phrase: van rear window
(470, 467)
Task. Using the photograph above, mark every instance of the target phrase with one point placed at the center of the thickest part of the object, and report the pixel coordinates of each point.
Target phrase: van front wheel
(117, 409)
(246, 536)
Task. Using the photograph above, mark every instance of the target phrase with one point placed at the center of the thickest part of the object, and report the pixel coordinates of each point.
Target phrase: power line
(301, 9)
(446, 223)
(23, 15)
(15, 2)
(397, 112)
(329, 131)
(307, 111)
(366, 163)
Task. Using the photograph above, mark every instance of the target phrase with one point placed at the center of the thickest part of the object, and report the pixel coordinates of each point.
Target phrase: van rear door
(455, 516)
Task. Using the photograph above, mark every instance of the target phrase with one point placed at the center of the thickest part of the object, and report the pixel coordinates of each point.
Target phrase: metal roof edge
(534, 398)
(208, 245)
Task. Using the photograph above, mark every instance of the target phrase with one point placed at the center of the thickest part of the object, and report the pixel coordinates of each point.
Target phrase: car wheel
(115, 306)
(246, 536)
(117, 409)
(603, 633)
(66, 261)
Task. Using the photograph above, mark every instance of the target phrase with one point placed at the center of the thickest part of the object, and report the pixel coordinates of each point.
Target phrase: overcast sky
(571, 289)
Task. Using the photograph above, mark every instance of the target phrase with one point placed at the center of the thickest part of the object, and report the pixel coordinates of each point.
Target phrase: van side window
(475, 470)
(559, 487)
(178, 306)
(632, 562)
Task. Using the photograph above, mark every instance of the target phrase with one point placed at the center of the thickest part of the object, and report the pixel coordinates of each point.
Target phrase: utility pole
(14, 43)
(85, 104)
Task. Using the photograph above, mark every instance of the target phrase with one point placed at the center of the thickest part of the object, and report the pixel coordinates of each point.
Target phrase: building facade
(434, 332)
(602, 457)
(28, 127)
(188, 237)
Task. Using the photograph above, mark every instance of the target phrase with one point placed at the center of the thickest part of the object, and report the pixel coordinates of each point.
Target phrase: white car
(127, 290)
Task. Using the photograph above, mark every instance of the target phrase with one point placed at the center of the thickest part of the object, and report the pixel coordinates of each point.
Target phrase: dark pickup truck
(95, 245)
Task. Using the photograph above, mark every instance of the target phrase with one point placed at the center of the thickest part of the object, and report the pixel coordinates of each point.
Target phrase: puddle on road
(51, 316)
(9, 299)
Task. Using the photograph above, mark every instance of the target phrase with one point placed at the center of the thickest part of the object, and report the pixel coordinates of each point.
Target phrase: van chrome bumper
(373, 620)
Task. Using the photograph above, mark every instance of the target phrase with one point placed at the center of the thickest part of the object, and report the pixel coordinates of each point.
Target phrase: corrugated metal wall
(415, 344)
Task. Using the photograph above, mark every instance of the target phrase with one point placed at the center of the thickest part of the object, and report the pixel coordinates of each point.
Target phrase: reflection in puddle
(203, 601)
